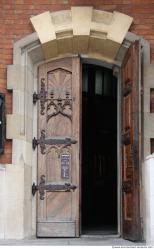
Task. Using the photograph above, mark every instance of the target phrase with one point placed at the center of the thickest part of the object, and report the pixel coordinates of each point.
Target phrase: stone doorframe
(104, 37)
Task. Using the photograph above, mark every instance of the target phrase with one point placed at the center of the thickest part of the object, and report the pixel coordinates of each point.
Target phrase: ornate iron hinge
(42, 96)
(58, 105)
(126, 138)
(35, 97)
(127, 186)
(127, 88)
(66, 187)
(51, 141)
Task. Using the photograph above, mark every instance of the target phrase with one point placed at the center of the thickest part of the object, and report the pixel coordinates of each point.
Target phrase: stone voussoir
(68, 25)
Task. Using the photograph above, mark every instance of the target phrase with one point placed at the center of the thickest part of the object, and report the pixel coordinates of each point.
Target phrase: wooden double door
(60, 148)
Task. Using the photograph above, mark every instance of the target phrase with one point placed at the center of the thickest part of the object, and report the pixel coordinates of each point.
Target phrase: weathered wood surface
(58, 213)
(131, 227)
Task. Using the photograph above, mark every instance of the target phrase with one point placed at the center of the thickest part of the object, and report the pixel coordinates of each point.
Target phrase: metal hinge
(35, 97)
(142, 91)
(128, 88)
(127, 186)
(51, 141)
(126, 138)
(34, 143)
(42, 96)
(42, 187)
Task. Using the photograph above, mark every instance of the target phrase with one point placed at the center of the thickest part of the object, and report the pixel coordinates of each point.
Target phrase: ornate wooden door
(131, 227)
(58, 149)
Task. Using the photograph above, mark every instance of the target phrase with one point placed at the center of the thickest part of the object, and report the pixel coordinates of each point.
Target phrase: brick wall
(15, 24)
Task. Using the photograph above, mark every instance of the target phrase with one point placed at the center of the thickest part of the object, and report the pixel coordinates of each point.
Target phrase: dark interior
(99, 150)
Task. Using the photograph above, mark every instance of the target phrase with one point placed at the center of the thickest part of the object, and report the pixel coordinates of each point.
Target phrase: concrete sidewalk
(83, 241)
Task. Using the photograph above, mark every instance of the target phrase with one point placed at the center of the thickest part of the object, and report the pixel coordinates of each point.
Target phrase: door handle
(66, 187)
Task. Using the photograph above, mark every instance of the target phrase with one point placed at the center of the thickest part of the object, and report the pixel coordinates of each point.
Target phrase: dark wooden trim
(131, 221)
(152, 145)
(151, 100)
(3, 123)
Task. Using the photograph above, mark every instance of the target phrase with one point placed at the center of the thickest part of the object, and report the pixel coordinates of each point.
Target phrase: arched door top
(81, 30)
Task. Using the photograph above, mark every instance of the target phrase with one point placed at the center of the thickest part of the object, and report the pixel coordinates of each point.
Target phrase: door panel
(131, 227)
(58, 159)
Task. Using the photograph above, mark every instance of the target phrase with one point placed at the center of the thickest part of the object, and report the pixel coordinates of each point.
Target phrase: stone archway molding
(81, 30)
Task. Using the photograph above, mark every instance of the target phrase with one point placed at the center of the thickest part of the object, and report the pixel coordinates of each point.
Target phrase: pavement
(82, 241)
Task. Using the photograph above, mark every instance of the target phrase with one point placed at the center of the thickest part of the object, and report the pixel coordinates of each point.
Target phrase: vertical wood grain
(131, 226)
(62, 81)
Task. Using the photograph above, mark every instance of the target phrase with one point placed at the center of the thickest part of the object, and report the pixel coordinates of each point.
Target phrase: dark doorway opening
(99, 151)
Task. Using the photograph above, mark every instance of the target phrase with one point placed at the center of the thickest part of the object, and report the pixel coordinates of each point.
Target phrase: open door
(58, 148)
(131, 226)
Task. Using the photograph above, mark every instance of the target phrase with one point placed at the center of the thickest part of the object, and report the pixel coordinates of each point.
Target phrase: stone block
(50, 49)
(100, 16)
(147, 99)
(44, 27)
(14, 182)
(2, 207)
(106, 48)
(29, 106)
(36, 54)
(99, 29)
(65, 45)
(15, 127)
(29, 129)
(27, 182)
(96, 45)
(15, 77)
(18, 102)
(149, 198)
(27, 218)
(2, 179)
(18, 150)
(98, 56)
(81, 20)
(2, 218)
(61, 18)
(80, 16)
(14, 227)
(118, 30)
(13, 122)
(29, 83)
(146, 143)
(21, 149)
(34, 215)
(80, 44)
(148, 76)
(148, 124)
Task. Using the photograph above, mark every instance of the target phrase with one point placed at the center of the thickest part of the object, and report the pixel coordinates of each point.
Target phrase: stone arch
(81, 30)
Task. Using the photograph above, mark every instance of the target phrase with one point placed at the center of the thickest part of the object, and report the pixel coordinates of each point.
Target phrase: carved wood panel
(59, 110)
(131, 227)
